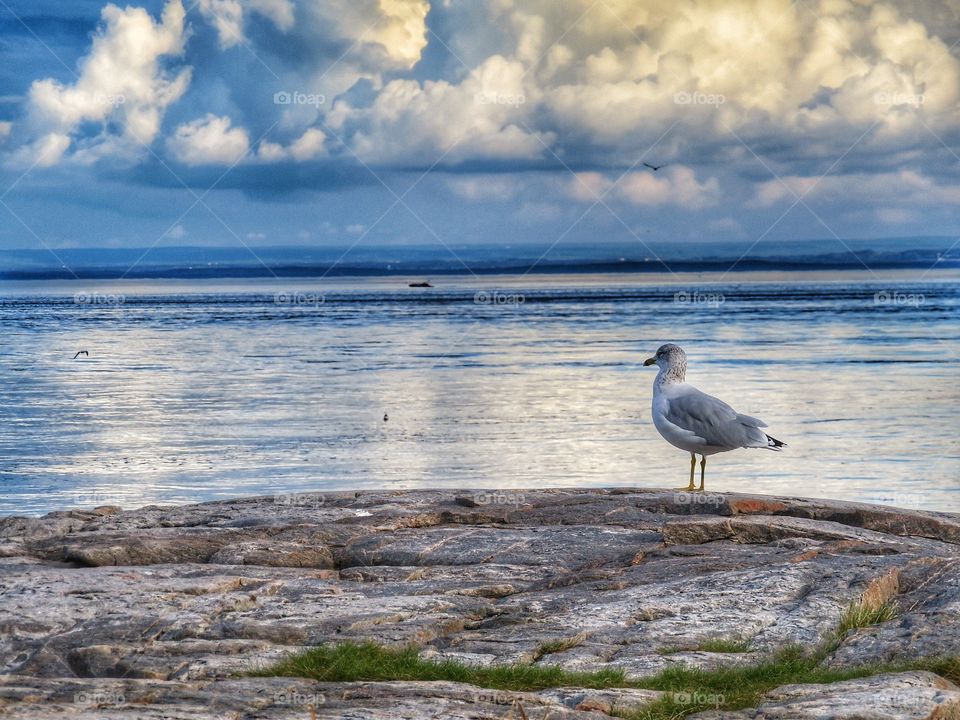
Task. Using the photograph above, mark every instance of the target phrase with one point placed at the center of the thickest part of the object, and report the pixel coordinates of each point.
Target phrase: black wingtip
(774, 443)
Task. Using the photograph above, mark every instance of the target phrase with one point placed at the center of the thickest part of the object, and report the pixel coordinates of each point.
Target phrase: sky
(368, 122)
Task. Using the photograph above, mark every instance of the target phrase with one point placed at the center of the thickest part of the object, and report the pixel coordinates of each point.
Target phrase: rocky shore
(161, 612)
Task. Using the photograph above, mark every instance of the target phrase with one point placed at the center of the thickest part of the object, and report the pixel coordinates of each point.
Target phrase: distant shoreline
(725, 267)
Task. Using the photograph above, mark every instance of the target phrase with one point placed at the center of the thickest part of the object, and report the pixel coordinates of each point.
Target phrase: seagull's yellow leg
(693, 465)
(703, 471)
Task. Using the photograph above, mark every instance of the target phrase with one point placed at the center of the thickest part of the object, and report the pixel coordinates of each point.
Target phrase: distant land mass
(366, 260)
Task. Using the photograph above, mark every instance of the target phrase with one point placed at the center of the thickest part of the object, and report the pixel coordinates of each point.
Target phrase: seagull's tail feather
(774, 444)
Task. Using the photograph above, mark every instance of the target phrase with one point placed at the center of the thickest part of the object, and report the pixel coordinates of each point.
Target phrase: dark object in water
(420, 284)
(385, 418)
(81, 352)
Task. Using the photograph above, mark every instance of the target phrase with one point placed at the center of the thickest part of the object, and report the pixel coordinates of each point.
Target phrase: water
(206, 391)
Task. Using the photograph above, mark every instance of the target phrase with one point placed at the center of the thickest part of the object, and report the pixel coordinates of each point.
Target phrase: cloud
(309, 146)
(122, 87)
(676, 185)
(227, 16)
(724, 92)
(403, 30)
(378, 34)
(437, 121)
(209, 141)
(485, 187)
(176, 232)
(905, 188)
(43, 152)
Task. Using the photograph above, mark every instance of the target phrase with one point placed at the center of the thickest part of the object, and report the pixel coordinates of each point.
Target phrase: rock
(895, 696)
(166, 606)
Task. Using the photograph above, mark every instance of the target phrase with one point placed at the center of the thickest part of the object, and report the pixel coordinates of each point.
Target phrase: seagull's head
(669, 357)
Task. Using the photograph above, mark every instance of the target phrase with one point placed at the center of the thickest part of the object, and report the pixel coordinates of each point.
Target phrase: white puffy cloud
(214, 140)
(402, 33)
(597, 84)
(43, 152)
(905, 188)
(209, 141)
(309, 146)
(122, 84)
(227, 16)
(677, 185)
(483, 116)
(379, 34)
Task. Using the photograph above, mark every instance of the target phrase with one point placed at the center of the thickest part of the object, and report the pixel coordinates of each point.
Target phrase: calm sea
(202, 391)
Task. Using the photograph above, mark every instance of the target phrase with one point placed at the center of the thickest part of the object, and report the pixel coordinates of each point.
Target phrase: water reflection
(194, 396)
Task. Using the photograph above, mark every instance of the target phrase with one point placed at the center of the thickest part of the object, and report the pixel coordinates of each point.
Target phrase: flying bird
(81, 352)
(654, 167)
(691, 420)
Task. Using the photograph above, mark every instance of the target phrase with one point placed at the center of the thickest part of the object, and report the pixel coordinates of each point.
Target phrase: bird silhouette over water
(81, 352)
(654, 167)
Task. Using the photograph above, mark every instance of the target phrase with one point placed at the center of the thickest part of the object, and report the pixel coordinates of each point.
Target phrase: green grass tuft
(858, 615)
(714, 645)
(367, 661)
(724, 645)
(686, 689)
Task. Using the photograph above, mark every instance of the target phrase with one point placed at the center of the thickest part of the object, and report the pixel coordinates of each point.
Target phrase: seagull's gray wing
(713, 420)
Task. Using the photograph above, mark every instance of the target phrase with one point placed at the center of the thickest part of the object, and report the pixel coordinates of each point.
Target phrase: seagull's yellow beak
(650, 361)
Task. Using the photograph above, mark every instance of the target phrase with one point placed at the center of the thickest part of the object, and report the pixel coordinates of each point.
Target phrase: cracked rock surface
(156, 612)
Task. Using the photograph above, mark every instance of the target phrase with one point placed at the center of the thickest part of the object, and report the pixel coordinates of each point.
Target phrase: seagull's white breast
(673, 434)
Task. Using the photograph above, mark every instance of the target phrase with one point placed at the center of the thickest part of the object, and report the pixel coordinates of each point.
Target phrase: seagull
(653, 167)
(81, 352)
(691, 420)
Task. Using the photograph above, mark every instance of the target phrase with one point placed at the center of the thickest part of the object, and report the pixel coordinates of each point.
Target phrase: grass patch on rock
(860, 615)
(714, 645)
(553, 647)
(349, 662)
(686, 689)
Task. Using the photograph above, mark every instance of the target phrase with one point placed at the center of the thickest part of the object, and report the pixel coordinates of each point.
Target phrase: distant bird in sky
(81, 352)
(691, 420)
(654, 167)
